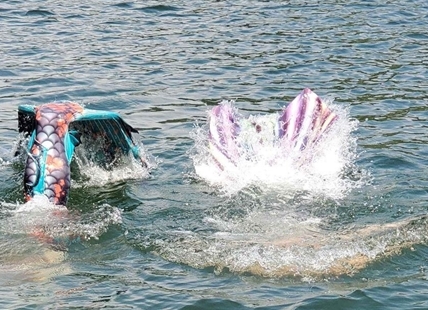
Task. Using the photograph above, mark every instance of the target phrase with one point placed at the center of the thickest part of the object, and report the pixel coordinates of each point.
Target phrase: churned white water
(319, 169)
(126, 168)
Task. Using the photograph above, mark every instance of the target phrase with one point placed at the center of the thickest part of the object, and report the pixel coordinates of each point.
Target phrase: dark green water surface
(169, 240)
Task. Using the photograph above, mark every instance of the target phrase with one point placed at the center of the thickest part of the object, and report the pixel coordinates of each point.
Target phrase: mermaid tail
(301, 124)
(55, 129)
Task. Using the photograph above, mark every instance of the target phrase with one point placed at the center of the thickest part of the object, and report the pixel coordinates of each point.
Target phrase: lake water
(173, 240)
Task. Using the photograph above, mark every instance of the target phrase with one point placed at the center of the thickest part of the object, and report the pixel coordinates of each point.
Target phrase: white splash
(35, 236)
(317, 169)
(127, 168)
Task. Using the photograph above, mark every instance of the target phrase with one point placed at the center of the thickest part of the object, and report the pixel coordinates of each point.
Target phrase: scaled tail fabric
(301, 124)
(305, 119)
(54, 130)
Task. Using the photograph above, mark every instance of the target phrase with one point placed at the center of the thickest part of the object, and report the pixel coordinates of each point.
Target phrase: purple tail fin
(304, 120)
(223, 130)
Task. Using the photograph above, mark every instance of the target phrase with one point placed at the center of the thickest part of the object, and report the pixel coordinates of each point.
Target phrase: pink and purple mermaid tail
(301, 124)
(223, 130)
(54, 130)
(305, 120)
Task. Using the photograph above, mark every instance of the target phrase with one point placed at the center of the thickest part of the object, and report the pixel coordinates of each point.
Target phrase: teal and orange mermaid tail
(54, 130)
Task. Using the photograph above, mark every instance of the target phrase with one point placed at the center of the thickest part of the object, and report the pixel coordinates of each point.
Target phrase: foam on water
(127, 168)
(40, 216)
(95, 175)
(319, 169)
(288, 247)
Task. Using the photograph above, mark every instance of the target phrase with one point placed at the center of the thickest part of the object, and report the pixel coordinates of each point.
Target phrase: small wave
(159, 8)
(125, 4)
(39, 12)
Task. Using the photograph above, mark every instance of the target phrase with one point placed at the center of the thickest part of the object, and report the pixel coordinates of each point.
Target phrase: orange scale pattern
(52, 120)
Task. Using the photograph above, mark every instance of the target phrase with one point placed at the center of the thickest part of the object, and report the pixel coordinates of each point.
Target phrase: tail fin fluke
(223, 130)
(305, 120)
(55, 129)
